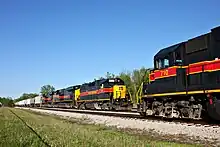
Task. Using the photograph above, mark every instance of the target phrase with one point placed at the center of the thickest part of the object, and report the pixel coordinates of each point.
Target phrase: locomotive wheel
(82, 106)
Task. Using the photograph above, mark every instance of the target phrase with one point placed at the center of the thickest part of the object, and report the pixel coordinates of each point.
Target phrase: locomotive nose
(214, 110)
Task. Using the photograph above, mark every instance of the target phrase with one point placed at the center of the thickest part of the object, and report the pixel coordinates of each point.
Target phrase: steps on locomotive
(214, 110)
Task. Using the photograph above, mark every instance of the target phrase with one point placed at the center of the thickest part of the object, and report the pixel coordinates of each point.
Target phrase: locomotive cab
(168, 63)
(171, 56)
(70, 91)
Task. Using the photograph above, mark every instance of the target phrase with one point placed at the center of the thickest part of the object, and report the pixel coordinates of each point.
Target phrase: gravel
(201, 133)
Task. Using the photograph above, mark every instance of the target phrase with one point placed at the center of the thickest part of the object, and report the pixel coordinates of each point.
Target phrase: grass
(58, 132)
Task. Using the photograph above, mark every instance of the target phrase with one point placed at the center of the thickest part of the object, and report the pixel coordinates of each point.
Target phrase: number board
(164, 73)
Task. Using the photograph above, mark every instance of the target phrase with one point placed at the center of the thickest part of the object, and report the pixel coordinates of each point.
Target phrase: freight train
(184, 83)
(104, 94)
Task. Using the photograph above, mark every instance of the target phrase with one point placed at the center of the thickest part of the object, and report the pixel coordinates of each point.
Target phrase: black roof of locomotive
(72, 87)
(104, 80)
(101, 81)
(165, 51)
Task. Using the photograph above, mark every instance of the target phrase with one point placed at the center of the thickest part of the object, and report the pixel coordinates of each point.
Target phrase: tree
(6, 101)
(134, 79)
(126, 77)
(140, 76)
(110, 75)
(46, 90)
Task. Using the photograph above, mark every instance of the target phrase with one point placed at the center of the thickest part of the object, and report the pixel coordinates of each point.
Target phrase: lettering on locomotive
(164, 73)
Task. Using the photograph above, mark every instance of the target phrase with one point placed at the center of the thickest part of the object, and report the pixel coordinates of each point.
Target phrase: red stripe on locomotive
(151, 76)
(165, 72)
(212, 65)
(103, 90)
(206, 66)
(65, 97)
(47, 99)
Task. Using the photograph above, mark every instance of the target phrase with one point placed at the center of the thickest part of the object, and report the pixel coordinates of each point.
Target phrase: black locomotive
(185, 81)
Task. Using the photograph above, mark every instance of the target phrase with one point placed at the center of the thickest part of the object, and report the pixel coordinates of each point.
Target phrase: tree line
(6, 101)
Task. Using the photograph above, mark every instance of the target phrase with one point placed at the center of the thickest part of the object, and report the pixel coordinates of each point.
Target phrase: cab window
(162, 63)
(157, 64)
(166, 63)
(178, 60)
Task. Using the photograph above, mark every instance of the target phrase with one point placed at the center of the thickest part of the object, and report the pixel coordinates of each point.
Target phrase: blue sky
(70, 42)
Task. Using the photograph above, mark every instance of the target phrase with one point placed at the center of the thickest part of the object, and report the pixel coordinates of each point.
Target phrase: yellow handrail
(139, 92)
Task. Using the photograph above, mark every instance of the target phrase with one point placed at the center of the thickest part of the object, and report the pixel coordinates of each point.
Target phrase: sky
(70, 42)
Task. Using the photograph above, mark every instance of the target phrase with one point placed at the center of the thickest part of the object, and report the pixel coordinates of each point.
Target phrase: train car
(32, 102)
(55, 97)
(72, 94)
(105, 94)
(185, 81)
(25, 103)
(38, 101)
(47, 100)
(22, 103)
(65, 97)
(28, 102)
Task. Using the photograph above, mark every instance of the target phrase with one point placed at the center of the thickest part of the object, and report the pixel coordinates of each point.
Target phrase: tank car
(38, 101)
(185, 81)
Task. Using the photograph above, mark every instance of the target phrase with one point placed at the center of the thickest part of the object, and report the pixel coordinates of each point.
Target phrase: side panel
(198, 49)
(66, 98)
(172, 79)
(161, 86)
(38, 100)
(28, 101)
(204, 75)
(100, 94)
(168, 80)
(32, 101)
(56, 98)
(119, 91)
(25, 102)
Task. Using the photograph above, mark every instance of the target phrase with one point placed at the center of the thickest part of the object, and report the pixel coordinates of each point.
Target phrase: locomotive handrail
(140, 89)
(130, 95)
(139, 92)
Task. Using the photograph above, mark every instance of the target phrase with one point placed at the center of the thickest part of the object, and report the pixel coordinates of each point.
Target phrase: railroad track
(135, 115)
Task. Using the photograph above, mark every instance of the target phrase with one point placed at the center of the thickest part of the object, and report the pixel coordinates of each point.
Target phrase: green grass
(59, 132)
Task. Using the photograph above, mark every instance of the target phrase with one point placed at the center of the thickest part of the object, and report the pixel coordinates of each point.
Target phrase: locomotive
(104, 94)
(185, 80)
